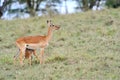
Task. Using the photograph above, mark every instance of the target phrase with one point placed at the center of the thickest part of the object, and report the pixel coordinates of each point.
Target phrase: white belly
(32, 46)
(35, 46)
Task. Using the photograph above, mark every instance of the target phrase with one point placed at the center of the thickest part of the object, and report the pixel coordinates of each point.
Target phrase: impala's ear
(48, 21)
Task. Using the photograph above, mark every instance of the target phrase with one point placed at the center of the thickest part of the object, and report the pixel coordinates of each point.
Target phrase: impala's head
(52, 26)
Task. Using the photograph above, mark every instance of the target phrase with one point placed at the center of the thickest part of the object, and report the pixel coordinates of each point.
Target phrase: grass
(86, 47)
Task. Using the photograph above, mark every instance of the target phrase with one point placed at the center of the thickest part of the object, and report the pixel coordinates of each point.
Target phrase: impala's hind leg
(22, 47)
(16, 56)
(21, 56)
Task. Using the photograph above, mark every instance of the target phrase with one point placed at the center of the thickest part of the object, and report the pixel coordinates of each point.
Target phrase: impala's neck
(49, 34)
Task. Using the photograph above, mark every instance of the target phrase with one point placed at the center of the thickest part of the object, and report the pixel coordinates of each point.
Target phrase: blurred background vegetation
(32, 8)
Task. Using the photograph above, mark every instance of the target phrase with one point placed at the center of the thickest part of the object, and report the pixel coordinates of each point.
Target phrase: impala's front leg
(42, 55)
(34, 53)
(30, 58)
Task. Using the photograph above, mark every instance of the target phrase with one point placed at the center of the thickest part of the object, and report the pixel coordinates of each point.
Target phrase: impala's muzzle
(57, 27)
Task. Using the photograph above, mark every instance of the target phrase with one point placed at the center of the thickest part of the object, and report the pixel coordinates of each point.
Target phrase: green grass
(87, 47)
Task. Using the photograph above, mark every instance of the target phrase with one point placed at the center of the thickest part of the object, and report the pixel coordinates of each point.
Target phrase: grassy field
(87, 47)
